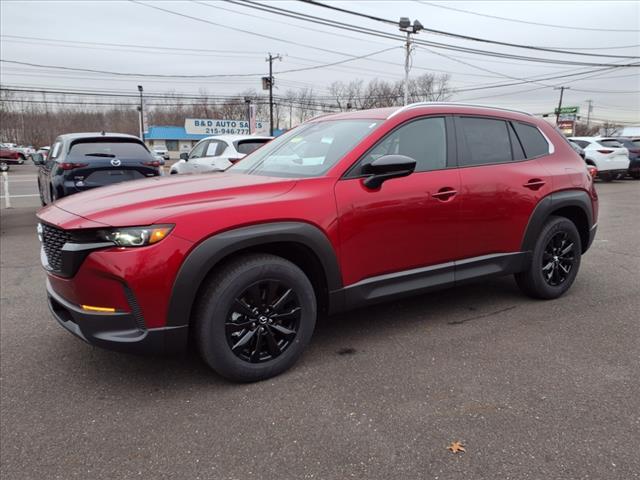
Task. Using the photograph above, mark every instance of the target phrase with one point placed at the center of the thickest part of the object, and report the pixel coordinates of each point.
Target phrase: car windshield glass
(610, 143)
(309, 150)
(109, 150)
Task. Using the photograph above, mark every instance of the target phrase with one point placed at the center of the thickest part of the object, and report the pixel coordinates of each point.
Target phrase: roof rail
(454, 104)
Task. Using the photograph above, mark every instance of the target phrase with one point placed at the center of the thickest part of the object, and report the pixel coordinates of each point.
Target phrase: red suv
(343, 211)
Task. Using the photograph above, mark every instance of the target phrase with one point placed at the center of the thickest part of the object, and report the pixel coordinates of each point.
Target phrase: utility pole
(562, 89)
(590, 102)
(405, 26)
(141, 110)
(269, 83)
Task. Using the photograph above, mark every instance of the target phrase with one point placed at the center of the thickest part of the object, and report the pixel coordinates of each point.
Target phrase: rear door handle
(444, 194)
(534, 184)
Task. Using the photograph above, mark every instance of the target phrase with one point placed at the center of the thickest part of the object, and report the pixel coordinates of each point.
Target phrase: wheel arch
(301, 243)
(572, 204)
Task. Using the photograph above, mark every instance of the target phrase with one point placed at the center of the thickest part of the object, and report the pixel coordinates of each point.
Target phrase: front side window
(486, 141)
(424, 140)
(309, 150)
(198, 150)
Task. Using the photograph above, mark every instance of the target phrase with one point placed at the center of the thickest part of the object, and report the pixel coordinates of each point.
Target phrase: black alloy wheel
(254, 317)
(558, 258)
(555, 260)
(263, 321)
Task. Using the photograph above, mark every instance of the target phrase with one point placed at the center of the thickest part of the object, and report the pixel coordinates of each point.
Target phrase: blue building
(171, 138)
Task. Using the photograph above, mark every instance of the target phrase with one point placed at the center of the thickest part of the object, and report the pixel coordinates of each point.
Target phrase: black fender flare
(551, 203)
(211, 251)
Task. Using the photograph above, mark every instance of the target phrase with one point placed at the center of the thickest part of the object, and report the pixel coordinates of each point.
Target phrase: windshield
(309, 150)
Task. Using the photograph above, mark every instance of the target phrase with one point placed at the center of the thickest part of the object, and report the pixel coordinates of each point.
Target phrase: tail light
(593, 171)
(605, 151)
(153, 163)
(71, 165)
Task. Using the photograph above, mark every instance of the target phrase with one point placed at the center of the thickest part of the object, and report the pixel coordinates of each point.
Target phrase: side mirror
(37, 158)
(184, 156)
(386, 168)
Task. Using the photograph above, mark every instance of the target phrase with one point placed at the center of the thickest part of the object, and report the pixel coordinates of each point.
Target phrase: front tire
(555, 260)
(255, 317)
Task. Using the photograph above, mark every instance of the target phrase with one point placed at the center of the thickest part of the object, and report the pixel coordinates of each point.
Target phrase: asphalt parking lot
(533, 389)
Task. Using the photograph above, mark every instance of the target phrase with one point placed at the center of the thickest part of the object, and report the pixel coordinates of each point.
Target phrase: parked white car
(161, 152)
(217, 153)
(606, 154)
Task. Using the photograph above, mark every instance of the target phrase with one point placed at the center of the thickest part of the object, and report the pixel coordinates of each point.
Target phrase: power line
(466, 37)
(222, 75)
(566, 27)
(365, 31)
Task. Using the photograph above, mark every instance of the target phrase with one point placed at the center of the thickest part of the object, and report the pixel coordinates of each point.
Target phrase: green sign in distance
(567, 110)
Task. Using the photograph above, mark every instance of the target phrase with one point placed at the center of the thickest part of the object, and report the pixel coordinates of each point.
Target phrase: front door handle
(444, 194)
(534, 184)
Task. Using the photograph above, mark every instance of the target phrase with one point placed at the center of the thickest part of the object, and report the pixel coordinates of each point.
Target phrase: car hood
(157, 199)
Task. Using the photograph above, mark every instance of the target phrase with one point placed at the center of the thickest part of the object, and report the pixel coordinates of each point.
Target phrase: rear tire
(606, 177)
(555, 260)
(254, 317)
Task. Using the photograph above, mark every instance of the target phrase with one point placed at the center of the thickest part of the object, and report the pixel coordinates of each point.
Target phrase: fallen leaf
(456, 447)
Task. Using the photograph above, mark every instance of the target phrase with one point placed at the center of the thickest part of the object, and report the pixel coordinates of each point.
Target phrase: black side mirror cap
(184, 156)
(386, 168)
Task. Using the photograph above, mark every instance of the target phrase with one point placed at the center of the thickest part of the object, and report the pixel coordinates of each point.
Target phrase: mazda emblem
(115, 162)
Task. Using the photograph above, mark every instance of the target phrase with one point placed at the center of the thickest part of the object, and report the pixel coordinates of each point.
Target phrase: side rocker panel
(211, 251)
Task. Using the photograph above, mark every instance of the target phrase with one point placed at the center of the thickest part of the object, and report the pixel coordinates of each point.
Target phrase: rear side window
(247, 146)
(532, 140)
(581, 143)
(486, 141)
(55, 150)
(109, 149)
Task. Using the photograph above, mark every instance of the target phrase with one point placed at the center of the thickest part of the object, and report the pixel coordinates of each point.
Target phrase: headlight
(136, 236)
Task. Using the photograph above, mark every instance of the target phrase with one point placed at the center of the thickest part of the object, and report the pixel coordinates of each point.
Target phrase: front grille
(53, 239)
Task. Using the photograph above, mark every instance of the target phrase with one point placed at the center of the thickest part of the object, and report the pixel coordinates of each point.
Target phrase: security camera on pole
(405, 26)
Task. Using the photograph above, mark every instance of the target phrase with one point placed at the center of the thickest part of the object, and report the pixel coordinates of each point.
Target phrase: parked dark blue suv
(81, 161)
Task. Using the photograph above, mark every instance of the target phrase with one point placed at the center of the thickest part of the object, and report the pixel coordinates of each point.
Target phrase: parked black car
(80, 161)
(633, 145)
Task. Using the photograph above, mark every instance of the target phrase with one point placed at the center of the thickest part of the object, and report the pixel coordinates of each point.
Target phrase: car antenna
(103, 133)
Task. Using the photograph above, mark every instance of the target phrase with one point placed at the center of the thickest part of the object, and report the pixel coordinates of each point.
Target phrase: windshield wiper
(107, 155)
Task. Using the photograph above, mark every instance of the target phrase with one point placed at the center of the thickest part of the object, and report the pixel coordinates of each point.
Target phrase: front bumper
(121, 331)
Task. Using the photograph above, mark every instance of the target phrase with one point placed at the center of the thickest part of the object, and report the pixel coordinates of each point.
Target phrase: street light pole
(407, 54)
(590, 102)
(270, 60)
(562, 89)
(140, 108)
(405, 26)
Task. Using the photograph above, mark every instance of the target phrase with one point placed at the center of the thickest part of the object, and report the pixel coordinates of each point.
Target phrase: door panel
(398, 227)
(495, 205)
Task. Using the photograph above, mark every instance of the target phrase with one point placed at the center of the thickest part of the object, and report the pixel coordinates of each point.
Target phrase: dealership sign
(210, 126)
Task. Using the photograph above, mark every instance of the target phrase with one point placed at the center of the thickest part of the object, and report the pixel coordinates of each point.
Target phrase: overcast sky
(53, 32)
